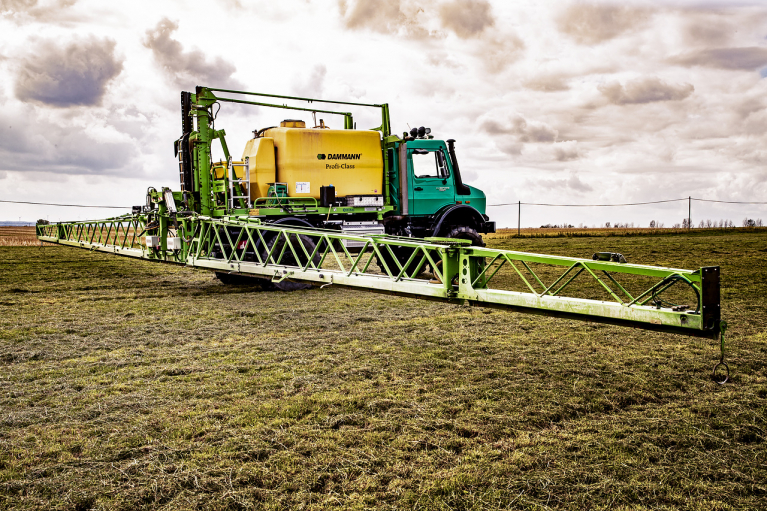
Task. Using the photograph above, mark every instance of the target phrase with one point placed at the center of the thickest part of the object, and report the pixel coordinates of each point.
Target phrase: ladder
(244, 183)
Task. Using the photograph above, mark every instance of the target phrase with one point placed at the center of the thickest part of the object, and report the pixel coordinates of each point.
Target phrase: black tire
(466, 233)
(402, 254)
(463, 233)
(288, 259)
(237, 279)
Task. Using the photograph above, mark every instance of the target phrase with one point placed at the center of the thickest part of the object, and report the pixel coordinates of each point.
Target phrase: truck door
(432, 187)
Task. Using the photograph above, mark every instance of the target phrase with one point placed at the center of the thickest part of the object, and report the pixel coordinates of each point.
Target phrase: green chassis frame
(459, 273)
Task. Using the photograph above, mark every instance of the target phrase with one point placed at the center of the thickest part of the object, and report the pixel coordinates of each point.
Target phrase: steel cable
(624, 204)
(65, 205)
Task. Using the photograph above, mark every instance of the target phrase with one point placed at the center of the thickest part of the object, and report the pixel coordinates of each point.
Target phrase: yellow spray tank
(307, 158)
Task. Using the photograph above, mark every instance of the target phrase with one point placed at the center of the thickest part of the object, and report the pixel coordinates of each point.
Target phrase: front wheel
(462, 233)
(466, 233)
(402, 254)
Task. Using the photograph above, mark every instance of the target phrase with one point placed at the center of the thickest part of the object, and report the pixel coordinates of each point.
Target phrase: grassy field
(127, 384)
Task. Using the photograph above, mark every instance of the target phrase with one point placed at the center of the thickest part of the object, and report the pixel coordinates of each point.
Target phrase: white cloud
(187, 67)
(645, 90)
(594, 23)
(76, 73)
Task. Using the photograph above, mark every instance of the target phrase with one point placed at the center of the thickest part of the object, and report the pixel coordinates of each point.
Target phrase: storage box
(360, 228)
(327, 196)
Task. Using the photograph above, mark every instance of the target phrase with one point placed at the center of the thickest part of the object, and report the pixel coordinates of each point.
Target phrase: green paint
(461, 273)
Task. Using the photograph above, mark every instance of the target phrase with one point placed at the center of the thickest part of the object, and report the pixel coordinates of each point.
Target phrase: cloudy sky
(549, 101)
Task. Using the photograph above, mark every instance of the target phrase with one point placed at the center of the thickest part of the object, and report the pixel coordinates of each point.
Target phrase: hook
(722, 329)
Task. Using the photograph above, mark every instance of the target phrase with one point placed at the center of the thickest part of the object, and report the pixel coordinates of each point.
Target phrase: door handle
(418, 189)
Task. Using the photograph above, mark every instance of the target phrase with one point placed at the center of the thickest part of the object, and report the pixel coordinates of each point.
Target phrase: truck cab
(428, 193)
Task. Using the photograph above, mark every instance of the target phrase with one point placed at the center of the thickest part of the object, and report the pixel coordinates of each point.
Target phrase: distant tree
(758, 222)
(652, 224)
(43, 222)
(677, 226)
(747, 222)
(607, 225)
(659, 225)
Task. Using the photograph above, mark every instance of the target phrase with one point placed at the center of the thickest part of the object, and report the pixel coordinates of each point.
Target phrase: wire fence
(686, 223)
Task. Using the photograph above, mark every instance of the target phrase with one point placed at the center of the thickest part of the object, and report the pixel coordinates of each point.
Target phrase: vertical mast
(203, 99)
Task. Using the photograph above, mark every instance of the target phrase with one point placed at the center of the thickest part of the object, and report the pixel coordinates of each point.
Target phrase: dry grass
(18, 237)
(556, 232)
(127, 385)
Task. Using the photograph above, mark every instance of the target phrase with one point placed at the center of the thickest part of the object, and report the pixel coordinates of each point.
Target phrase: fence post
(519, 218)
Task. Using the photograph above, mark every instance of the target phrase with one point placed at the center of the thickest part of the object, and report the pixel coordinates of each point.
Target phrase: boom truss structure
(648, 297)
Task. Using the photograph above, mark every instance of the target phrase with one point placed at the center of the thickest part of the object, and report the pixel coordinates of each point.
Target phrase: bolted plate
(452, 242)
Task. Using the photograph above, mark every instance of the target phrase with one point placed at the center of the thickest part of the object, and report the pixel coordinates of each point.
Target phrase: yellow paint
(292, 123)
(261, 154)
(297, 161)
(219, 169)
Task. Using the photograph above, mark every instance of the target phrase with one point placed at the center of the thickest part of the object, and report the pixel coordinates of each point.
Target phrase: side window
(442, 165)
(429, 164)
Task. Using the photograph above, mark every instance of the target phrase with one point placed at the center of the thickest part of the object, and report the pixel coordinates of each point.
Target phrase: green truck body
(422, 191)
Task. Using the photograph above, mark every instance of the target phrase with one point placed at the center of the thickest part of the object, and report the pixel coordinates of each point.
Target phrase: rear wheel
(283, 255)
(237, 279)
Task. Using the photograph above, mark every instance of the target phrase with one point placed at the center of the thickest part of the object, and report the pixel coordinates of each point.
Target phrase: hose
(259, 132)
(194, 231)
(149, 227)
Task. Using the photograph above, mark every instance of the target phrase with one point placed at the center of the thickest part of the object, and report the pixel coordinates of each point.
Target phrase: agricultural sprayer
(369, 209)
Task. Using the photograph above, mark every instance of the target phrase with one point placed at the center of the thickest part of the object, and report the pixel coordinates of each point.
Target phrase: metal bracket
(280, 276)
